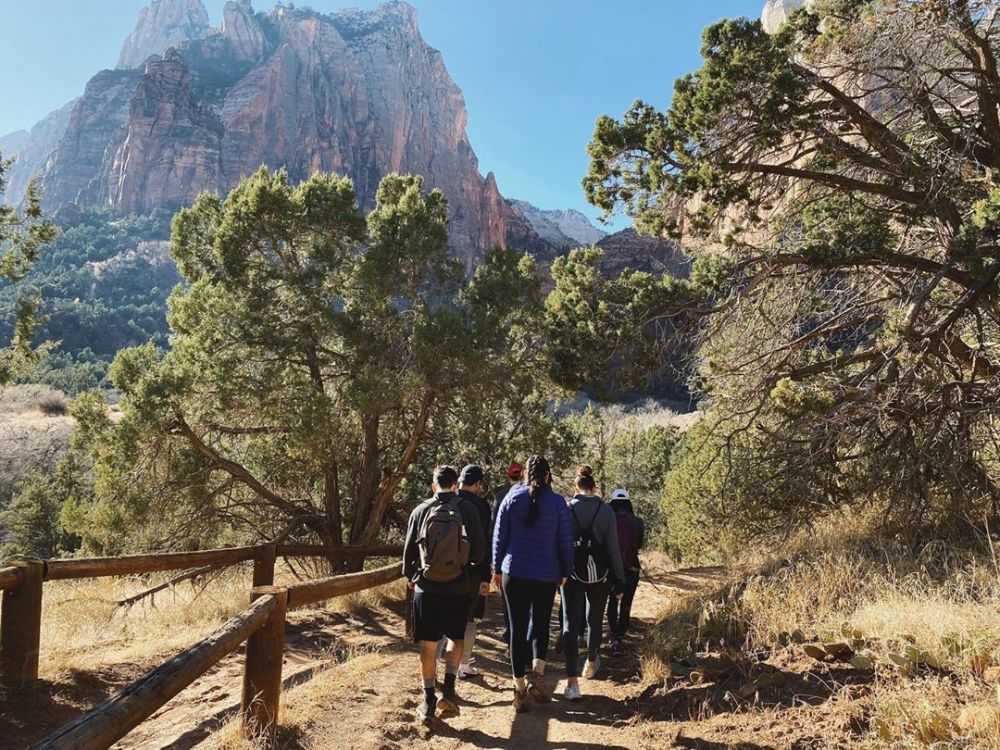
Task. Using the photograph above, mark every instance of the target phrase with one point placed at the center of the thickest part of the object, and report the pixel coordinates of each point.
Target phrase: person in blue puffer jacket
(532, 557)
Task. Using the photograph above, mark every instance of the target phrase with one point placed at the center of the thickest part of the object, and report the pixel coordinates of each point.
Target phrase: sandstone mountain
(192, 108)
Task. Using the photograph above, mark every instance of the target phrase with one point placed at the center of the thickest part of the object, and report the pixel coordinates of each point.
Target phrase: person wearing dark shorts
(440, 608)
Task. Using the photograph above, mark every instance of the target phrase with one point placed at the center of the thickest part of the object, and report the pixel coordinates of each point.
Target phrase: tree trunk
(368, 484)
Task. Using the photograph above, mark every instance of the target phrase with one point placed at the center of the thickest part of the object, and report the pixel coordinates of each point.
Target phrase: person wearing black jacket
(620, 611)
(470, 490)
(440, 609)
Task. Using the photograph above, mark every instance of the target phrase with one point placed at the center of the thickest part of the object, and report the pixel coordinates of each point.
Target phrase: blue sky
(535, 73)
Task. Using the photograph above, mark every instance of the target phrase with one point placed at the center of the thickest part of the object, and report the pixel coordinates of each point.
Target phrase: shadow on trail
(693, 743)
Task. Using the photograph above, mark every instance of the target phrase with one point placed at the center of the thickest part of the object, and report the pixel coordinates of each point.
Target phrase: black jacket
(481, 569)
(411, 549)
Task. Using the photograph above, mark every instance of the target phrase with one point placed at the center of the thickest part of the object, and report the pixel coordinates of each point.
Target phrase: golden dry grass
(83, 628)
(942, 603)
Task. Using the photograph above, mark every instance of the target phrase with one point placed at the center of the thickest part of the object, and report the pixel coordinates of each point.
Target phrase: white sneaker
(465, 671)
(572, 693)
(591, 668)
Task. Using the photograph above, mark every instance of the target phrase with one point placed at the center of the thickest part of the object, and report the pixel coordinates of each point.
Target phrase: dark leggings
(582, 600)
(620, 615)
(529, 606)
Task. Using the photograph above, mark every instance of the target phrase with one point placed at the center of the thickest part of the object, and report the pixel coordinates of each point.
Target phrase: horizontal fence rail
(117, 716)
(349, 553)
(313, 592)
(262, 627)
(99, 567)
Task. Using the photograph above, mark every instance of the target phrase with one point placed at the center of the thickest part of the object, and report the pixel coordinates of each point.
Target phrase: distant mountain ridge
(560, 227)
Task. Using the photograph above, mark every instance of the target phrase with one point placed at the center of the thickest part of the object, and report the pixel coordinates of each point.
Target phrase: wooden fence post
(262, 674)
(21, 624)
(263, 566)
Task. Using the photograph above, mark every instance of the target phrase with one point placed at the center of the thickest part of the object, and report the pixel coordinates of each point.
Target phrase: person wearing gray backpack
(598, 573)
(442, 536)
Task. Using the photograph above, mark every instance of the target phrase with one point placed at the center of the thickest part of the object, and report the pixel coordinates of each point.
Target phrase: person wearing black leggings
(532, 556)
(597, 571)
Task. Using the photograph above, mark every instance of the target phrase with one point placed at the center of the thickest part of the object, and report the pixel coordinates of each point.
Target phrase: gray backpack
(443, 543)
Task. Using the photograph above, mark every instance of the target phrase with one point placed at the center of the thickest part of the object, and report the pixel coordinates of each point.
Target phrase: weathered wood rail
(261, 626)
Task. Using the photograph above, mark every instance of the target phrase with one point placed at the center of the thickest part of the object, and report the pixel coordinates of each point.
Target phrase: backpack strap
(593, 520)
(572, 509)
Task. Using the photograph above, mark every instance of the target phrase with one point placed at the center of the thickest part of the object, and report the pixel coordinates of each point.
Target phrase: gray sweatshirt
(604, 530)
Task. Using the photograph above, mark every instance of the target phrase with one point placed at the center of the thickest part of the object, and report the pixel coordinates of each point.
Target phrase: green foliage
(630, 449)
(597, 325)
(846, 272)
(316, 355)
(23, 233)
(100, 286)
(33, 522)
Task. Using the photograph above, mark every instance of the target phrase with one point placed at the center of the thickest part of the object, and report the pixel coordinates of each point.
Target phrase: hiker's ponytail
(538, 478)
(585, 478)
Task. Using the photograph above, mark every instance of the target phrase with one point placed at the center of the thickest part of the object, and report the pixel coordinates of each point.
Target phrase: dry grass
(83, 628)
(942, 604)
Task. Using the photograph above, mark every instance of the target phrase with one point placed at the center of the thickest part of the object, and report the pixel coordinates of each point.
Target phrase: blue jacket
(542, 552)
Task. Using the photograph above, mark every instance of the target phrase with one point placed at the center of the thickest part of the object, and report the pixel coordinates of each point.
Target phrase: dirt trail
(368, 703)
(351, 682)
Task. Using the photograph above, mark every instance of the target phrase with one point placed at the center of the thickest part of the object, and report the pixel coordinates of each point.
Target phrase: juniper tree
(314, 353)
(23, 233)
(838, 181)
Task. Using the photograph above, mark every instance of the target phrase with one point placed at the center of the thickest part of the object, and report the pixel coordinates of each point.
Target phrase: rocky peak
(242, 28)
(562, 229)
(352, 22)
(776, 12)
(162, 25)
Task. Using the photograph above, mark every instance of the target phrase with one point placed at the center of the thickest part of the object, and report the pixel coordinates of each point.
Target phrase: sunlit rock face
(162, 25)
(776, 12)
(195, 109)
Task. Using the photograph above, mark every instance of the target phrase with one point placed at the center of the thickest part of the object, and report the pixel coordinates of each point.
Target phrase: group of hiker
(529, 543)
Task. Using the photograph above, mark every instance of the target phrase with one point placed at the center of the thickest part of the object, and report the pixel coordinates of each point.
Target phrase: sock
(538, 667)
(429, 696)
(451, 673)
(519, 684)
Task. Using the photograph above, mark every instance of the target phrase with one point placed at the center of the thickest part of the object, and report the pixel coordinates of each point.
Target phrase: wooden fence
(261, 626)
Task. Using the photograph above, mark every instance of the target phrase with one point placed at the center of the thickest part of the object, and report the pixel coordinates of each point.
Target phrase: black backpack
(590, 558)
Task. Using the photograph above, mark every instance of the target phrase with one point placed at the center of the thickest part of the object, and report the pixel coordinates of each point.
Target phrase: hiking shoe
(572, 693)
(537, 690)
(466, 671)
(426, 711)
(591, 668)
(617, 649)
(521, 705)
(449, 706)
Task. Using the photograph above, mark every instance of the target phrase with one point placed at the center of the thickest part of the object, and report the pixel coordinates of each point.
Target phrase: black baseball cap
(471, 474)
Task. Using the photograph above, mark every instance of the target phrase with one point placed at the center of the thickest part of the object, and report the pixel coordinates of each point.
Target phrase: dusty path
(351, 682)
(368, 702)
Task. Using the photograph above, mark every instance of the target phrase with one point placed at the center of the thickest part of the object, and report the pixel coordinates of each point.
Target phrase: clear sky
(535, 73)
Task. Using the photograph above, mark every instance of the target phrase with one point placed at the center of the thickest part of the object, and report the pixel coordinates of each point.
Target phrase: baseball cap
(471, 474)
(620, 494)
(515, 470)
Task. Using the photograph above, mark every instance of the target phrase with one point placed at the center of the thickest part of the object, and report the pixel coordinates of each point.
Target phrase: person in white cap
(631, 535)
